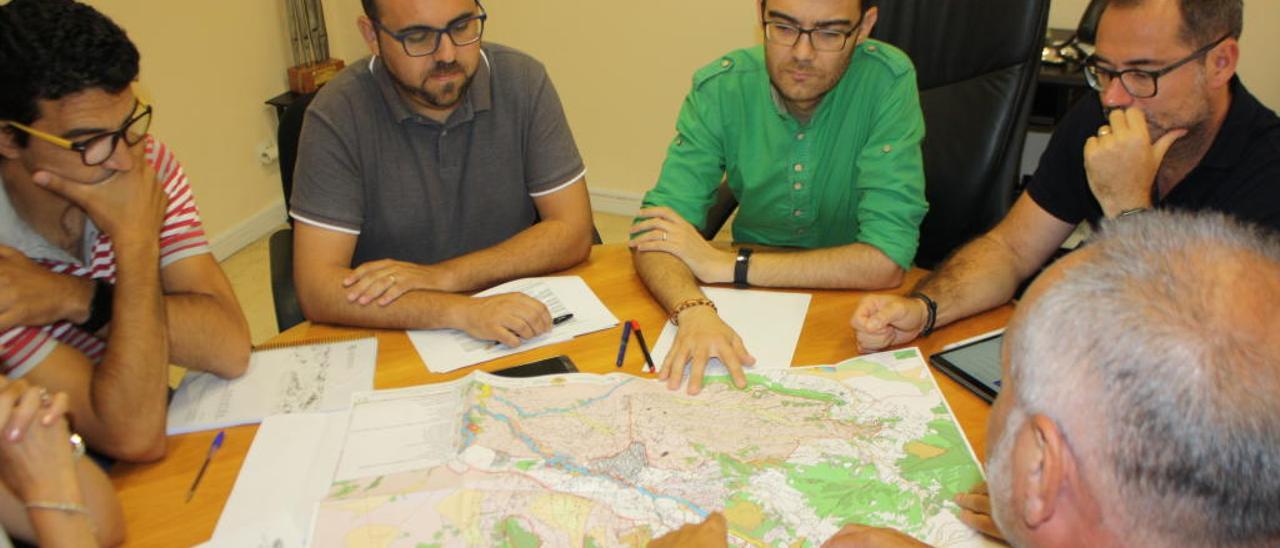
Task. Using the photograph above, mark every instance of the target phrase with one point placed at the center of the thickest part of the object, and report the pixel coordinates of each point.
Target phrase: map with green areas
(616, 460)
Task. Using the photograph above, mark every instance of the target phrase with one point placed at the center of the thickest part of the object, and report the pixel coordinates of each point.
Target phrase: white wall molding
(250, 230)
(617, 202)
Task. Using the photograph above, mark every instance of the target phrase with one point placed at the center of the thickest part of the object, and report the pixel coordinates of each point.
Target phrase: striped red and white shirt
(182, 236)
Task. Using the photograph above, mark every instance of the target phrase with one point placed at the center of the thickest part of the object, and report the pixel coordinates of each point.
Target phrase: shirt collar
(1233, 137)
(479, 96)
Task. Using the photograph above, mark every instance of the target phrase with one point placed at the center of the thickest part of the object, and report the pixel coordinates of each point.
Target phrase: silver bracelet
(59, 506)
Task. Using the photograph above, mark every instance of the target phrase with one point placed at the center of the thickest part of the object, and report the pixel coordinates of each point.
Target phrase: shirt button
(726, 63)
(799, 231)
(798, 186)
(871, 48)
(800, 136)
(887, 149)
(797, 212)
(799, 168)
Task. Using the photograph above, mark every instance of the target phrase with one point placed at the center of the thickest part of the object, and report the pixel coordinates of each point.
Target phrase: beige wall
(622, 69)
(209, 66)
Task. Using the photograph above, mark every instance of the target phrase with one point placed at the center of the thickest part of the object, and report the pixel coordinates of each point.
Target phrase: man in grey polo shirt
(435, 167)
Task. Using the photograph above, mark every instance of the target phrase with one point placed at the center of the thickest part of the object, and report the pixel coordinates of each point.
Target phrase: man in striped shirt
(105, 274)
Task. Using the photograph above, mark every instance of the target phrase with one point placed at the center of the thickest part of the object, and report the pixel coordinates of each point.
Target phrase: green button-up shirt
(854, 173)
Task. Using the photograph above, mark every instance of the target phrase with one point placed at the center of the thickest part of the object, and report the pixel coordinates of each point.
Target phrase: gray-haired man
(1139, 395)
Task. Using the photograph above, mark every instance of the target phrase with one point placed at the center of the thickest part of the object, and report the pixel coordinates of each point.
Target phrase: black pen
(554, 322)
(635, 328)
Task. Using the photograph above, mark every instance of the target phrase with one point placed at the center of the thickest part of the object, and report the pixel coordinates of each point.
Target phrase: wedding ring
(45, 400)
(1104, 131)
(392, 278)
(664, 236)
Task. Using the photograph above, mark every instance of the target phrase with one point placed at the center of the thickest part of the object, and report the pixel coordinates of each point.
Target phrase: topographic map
(589, 460)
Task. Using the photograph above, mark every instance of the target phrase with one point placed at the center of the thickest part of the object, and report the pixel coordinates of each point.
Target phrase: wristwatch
(740, 267)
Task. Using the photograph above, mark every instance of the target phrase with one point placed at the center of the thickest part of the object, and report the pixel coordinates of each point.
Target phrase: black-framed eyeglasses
(97, 149)
(822, 39)
(1140, 83)
(422, 40)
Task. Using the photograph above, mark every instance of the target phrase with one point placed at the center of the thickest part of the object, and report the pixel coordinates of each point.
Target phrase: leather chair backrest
(287, 140)
(977, 62)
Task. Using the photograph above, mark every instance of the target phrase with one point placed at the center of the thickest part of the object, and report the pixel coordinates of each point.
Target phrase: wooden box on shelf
(309, 78)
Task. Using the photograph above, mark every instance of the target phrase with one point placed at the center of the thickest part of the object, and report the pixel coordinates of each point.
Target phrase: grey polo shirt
(416, 190)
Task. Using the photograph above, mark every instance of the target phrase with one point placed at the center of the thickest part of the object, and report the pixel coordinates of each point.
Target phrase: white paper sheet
(289, 469)
(768, 322)
(393, 431)
(445, 350)
(319, 377)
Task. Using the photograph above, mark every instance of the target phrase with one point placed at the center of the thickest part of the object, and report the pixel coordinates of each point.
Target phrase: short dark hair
(1203, 21)
(50, 49)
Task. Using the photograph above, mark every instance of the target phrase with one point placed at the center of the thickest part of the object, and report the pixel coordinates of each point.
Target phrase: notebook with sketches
(288, 378)
(769, 323)
(445, 350)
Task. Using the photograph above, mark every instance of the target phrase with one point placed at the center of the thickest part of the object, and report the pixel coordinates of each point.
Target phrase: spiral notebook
(311, 376)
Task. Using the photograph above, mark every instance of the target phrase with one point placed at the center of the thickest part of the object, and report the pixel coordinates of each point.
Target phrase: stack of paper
(445, 350)
(289, 379)
(769, 324)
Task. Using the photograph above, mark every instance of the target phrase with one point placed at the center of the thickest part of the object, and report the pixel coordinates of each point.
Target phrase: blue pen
(213, 448)
(622, 347)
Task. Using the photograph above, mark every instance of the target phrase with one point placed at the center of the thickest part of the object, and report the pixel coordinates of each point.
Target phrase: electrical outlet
(268, 153)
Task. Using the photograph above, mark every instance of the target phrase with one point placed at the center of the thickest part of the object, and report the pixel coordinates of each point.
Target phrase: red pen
(635, 328)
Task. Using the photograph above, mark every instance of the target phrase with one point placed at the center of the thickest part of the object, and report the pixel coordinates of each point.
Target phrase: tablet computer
(973, 364)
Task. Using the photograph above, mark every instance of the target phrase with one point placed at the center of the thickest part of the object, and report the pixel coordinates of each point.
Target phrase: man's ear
(369, 33)
(9, 148)
(868, 24)
(1040, 455)
(1221, 63)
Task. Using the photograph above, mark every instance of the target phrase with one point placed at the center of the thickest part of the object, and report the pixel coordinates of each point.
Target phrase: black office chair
(977, 62)
(285, 295)
(288, 311)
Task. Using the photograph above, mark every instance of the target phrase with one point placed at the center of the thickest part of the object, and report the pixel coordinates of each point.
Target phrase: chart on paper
(445, 350)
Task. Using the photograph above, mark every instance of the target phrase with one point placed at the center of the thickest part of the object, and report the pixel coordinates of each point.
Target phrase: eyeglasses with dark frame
(1142, 84)
(97, 149)
(822, 39)
(423, 40)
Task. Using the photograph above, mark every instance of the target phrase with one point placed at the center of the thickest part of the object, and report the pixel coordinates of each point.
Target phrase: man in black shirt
(1170, 126)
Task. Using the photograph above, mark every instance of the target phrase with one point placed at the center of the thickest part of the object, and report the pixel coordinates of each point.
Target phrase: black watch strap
(740, 267)
(100, 307)
(932, 320)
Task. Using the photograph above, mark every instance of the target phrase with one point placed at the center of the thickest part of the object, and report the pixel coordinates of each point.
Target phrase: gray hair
(1163, 349)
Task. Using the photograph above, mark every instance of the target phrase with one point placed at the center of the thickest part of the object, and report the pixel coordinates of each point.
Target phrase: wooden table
(153, 494)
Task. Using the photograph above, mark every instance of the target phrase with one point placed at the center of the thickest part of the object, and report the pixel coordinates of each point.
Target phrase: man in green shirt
(817, 133)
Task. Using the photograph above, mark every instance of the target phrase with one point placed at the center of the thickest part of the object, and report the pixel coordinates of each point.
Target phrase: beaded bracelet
(691, 303)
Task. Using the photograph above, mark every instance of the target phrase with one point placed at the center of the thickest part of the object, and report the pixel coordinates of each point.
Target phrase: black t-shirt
(1240, 175)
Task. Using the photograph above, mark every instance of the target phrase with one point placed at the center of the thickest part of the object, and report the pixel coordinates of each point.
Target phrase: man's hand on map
(975, 511)
(711, 533)
(702, 336)
(862, 536)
